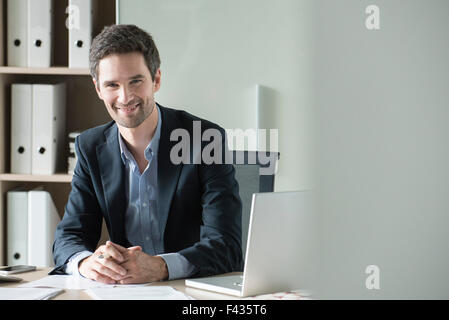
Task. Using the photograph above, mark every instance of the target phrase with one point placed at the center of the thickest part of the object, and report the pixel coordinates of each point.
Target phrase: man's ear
(157, 81)
(97, 88)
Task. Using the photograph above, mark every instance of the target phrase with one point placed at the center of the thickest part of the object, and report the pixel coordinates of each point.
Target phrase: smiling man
(165, 220)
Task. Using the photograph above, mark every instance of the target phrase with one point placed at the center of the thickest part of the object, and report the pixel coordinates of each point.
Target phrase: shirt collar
(151, 149)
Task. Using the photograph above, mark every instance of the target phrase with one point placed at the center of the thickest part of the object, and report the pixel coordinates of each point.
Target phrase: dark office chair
(255, 173)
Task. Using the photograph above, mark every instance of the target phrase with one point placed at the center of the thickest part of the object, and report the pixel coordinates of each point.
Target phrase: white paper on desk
(28, 293)
(137, 293)
(68, 282)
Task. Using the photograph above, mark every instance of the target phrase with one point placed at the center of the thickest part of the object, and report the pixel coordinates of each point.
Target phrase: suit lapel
(112, 173)
(168, 173)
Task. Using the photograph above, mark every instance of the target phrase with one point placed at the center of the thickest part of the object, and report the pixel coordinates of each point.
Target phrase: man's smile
(128, 108)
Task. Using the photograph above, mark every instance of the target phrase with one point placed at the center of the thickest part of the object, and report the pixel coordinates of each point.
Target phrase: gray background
(362, 115)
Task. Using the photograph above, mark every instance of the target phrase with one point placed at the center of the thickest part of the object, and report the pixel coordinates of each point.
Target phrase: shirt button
(147, 238)
(144, 204)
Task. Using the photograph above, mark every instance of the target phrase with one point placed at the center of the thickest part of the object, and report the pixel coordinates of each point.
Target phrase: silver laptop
(278, 249)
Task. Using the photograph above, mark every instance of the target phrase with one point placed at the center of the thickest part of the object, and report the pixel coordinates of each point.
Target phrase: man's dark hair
(123, 38)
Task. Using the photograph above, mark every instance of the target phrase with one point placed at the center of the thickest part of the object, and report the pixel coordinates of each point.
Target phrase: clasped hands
(114, 264)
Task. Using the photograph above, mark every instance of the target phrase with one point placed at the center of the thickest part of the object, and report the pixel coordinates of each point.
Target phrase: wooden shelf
(60, 177)
(40, 71)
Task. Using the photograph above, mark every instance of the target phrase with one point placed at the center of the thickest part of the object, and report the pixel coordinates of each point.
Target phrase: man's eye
(136, 81)
(111, 85)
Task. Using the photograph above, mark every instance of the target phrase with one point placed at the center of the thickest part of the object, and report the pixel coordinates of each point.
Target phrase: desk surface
(81, 295)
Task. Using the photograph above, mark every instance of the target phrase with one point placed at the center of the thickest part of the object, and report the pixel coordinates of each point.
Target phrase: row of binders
(31, 223)
(37, 128)
(30, 32)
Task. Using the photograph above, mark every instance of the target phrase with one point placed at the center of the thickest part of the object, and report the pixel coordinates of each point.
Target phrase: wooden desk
(81, 295)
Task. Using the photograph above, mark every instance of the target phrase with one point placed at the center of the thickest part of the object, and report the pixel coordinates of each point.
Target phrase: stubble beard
(143, 111)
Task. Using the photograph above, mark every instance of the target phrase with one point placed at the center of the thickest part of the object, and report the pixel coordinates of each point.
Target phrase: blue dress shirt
(144, 226)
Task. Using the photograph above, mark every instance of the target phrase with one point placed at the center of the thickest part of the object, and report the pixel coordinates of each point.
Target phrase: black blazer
(203, 203)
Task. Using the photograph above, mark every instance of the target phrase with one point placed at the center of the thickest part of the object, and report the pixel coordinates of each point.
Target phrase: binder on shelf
(42, 221)
(21, 121)
(17, 227)
(80, 32)
(17, 33)
(39, 33)
(48, 128)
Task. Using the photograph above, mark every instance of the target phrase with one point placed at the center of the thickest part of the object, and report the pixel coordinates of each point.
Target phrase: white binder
(17, 227)
(21, 114)
(80, 32)
(39, 33)
(17, 33)
(48, 128)
(42, 221)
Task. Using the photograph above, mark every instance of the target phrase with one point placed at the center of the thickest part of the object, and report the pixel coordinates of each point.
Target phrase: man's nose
(125, 95)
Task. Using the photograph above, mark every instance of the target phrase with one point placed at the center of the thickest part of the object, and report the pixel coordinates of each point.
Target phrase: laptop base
(231, 285)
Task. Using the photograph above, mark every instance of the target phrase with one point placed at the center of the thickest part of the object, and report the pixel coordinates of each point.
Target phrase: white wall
(213, 54)
(370, 106)
(382, 111)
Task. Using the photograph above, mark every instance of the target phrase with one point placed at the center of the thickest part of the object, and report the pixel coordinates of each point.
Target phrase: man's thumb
(138, 248)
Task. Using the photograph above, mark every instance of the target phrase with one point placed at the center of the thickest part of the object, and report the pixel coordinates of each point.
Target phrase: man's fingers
(127, 280)
(105, 270)
(101, 277)
(110, 269)
(112, 261)
(113, 250)
(129, 252)
(116, 246)
(115, 267)
(88, 270)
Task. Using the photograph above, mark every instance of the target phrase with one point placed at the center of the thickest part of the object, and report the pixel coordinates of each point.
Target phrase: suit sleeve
(80, 227)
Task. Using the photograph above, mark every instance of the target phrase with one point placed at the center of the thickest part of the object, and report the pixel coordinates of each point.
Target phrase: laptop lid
(280, 253)
(280, 243)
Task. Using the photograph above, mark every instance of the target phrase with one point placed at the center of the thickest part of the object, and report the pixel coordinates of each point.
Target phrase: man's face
(125, 86)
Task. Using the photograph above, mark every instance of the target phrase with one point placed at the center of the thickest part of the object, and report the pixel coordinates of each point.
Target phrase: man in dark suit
(165, 219)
